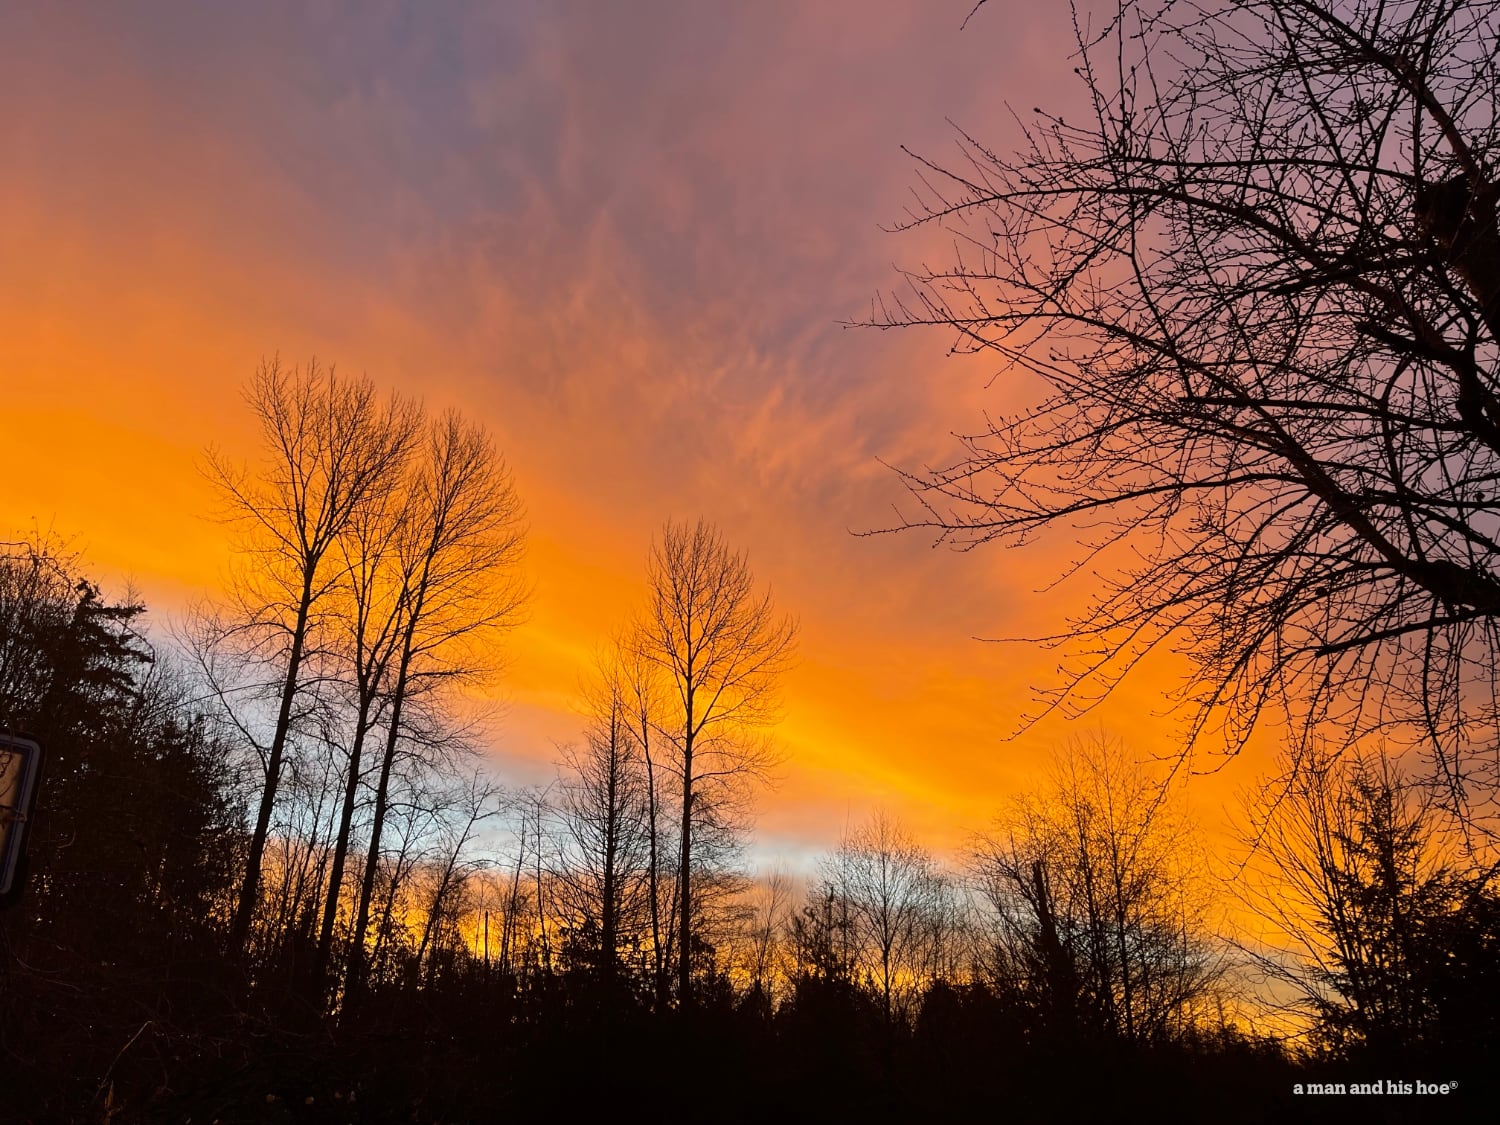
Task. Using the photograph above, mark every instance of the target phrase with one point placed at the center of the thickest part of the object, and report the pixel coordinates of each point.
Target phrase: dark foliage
(111, 957)
(121, 1003)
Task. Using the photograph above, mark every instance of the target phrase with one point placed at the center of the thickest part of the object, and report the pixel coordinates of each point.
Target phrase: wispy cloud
(623, 235)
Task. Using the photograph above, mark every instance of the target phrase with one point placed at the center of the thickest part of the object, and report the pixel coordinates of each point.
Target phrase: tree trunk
(341, 846)
(608, 922)
(382, 790)
(684, 876)
(250, 886)
(653, 878)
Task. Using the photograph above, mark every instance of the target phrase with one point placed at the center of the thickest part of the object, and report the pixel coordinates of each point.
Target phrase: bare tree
(947, 949)
(403, 882)
(516, 907)
(1259, 280)
(296, 859)
(892, 889)
(721, 648)
(603, 878)
(330, 446)
(457, 553)
(370, 623)
(1096, 901)
(535, 813)
(477, 801)
(767, 920)
(641, 681)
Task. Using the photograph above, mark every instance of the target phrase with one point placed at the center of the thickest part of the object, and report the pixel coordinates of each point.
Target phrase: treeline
(272, 876)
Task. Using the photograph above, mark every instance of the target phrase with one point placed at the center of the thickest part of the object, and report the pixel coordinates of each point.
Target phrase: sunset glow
(624, 238)
(681, 561)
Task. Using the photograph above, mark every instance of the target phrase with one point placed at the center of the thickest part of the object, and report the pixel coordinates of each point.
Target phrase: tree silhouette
(892, 890)
(1259, 281)
(1381, 919)
(457, 551)
(720, 648)
(643, 691)
(372, 609)
(134, 844)
(603, 875)
(1091, 886)
(330, 447)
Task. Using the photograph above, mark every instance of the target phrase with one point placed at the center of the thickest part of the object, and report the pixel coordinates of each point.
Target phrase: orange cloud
(624, 239)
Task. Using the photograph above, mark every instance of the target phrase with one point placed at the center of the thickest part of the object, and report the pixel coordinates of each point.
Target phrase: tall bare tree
(370, 622)
(1259, 278)
(643, 692)
(457, 553)
(330, 445)
(603, 880)
(36, 601)
(721, 648)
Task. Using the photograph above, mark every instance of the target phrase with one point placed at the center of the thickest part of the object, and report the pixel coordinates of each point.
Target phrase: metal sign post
(20, 762)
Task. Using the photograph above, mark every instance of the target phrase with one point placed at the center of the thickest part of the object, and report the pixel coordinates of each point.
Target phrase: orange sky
(623, 236)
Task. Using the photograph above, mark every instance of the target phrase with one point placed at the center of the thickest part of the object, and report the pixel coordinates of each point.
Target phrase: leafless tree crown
(1261, 283)
(720, 648)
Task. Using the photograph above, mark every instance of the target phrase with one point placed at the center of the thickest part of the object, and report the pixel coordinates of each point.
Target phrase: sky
(626, 238)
